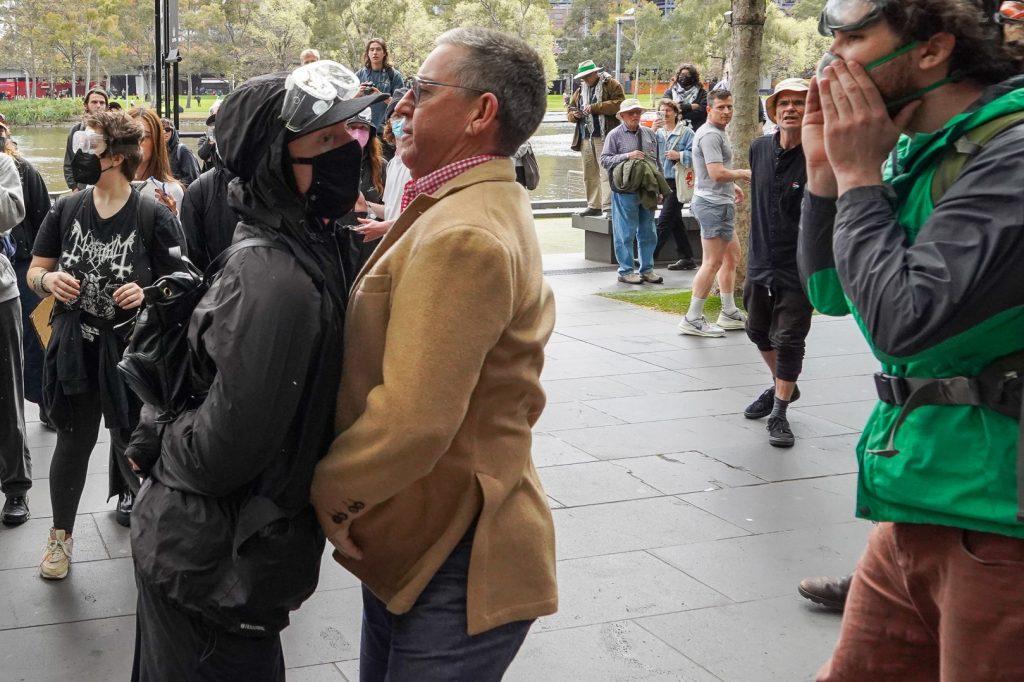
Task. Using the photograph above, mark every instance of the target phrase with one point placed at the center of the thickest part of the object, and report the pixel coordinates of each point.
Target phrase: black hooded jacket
(184, 165)
(207, 219)
(223, 527)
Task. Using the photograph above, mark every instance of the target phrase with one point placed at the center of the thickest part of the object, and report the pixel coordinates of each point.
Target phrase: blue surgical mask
(398, 127)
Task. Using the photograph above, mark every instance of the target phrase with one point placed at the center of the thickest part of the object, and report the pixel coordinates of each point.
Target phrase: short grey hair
(511, 70)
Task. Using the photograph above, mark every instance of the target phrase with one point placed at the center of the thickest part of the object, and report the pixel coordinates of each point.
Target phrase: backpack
(531, 169)
(954, 160)
(156, 365)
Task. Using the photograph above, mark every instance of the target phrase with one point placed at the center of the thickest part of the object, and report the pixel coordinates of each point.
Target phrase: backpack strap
(221, 260)
(972, 142)
(70, 207)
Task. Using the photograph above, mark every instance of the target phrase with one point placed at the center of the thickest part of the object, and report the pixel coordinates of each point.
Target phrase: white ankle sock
(696, 308)
(728, 303)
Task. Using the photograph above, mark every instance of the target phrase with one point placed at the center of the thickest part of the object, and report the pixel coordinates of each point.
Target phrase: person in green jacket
(931, 265)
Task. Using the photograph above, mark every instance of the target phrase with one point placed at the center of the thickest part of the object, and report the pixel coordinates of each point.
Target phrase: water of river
(560, 168)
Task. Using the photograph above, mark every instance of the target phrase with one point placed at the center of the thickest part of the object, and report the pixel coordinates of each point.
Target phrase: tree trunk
(748, 18)
(188, 98)
(88, 68)
(74, 82)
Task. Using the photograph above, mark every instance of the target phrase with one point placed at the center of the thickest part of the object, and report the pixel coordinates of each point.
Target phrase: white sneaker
(57, 559)
(737, 319)
(700, 327)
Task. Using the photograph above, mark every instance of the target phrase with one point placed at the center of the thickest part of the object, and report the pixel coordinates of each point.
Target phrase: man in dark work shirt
(779, 313)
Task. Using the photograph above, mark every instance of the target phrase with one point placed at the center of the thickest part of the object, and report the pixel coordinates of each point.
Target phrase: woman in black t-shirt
(94, 252)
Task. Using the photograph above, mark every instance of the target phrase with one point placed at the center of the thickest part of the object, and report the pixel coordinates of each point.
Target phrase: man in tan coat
(593, 107)
(429, 493)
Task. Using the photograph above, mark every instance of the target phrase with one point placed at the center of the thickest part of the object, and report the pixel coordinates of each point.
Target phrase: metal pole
(158, 63)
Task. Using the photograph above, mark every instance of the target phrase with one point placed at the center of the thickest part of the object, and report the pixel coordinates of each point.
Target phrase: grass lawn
(675, 301)
(556, 103)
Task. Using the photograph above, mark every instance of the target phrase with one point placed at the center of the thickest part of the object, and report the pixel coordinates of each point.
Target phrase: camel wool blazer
(444, 346)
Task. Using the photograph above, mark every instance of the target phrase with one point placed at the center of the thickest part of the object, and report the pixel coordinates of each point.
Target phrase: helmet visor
(848, 15)
(87, 141)
(312, 90)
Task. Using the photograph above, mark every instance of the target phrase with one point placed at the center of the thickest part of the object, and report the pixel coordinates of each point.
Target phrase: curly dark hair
(122, 135)
(980, 54)
(689, 67)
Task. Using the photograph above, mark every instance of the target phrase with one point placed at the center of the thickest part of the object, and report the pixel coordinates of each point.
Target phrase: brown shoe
(631, 278)
(652, 277)
(828, 592)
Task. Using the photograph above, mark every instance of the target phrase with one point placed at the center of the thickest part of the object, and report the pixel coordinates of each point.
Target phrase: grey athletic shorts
(717, 221)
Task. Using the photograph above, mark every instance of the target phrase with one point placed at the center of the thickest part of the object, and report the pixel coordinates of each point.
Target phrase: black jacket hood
(251, 144)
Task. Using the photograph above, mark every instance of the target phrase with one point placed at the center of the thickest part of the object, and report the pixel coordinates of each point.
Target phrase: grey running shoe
(631, 278)
(700, 327)
(737, 319)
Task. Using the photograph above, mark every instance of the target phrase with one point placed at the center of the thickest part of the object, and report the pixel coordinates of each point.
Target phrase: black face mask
(335, 187)
(86, 168)
(688, 81)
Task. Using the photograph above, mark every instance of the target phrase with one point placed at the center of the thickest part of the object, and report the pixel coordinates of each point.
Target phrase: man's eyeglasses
(415, 86)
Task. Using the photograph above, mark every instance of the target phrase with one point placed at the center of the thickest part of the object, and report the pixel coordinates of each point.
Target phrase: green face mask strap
(892, 55)
(898, 104)
(906, 99)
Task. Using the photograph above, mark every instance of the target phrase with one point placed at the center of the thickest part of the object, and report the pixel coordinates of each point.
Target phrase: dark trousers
(171, 645)
(429, 643)
(70, 463)
(670, 224)
(779, 320)
(32, 349)
(15, 466)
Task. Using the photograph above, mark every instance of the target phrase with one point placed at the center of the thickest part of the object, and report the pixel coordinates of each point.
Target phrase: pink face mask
(360, 135)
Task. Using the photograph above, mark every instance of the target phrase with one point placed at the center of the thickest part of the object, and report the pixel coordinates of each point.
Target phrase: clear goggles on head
(87, 141)
(1010, 11)
(848, 15)
(312, 89)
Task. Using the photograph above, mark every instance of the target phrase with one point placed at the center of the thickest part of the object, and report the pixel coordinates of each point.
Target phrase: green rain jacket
(640, 177)
(938, 291)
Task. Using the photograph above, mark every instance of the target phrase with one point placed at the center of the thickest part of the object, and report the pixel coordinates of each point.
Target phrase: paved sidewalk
(681, 533)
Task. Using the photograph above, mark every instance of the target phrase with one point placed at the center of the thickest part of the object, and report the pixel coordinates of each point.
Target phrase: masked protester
(94, 252)
(225, 541)
(911, 221)
(206, 217)
(691, 97)
(370, 206)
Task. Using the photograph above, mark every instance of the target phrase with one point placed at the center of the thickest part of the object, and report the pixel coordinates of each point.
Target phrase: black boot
(683, 264)
(828, 592)
(15, 510)
(589, 212)
(125, 502)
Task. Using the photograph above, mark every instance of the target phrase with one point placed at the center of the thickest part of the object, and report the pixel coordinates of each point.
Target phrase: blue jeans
(632, 222)
(430, 643)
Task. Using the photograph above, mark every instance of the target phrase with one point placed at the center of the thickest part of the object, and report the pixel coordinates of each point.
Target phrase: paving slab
(623, 586)
(632, 525)
(777, 506)
(670, 406)
(326, 672)
(765, 640)
(566, 415)
(325, 629)
(611, 652)
(686, 472)
(87, 650)
(752, 567)
(94, 589)
(550, 450)
(593, 483)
